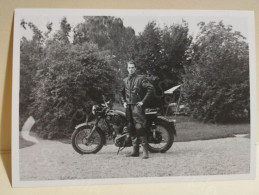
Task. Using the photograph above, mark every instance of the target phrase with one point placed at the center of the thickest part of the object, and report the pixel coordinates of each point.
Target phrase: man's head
(131, 67)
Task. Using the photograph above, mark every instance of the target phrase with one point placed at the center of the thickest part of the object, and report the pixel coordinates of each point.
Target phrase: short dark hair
(132, 62)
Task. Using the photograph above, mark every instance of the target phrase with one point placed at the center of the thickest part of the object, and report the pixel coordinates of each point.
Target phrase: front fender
(171, 123)
(80, 125)
(85, 124)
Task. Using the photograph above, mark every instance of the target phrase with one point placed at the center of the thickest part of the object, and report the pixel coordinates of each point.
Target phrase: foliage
(71, 77)
(217, 76)
(31, 54)
(108, 33)
(160, 53)
(63, 33)
(61, 77)
(60, 80)
(111, 36)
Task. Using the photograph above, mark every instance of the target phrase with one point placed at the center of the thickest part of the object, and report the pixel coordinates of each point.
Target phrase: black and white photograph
(132, 96)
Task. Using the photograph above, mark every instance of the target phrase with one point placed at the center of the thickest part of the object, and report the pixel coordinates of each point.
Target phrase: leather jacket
(136, 88)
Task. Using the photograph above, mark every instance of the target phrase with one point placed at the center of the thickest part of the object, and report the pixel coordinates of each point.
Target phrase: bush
(217, 76)
(70, 78)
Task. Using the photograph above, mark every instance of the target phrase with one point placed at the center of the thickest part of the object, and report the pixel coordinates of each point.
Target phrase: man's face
(131, 68)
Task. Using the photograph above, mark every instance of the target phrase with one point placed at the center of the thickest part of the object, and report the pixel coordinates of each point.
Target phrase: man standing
(135, 93)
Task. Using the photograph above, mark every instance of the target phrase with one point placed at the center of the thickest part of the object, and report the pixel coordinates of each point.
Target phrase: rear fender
(123, 114)
(170, 122)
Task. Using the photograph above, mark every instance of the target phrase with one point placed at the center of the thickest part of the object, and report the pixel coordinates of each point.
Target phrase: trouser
(136, 121)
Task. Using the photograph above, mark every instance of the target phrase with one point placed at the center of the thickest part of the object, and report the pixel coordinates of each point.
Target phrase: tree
(149, 49)
(63, 33)
(217, 75)
(175, 42)
(108, 33)
(59, 78)
(71, 77)
(31, 52)
(112, 37)
(162, 52)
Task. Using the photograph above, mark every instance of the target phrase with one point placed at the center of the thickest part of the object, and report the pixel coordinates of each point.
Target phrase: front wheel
(87, 146)
(164, 138)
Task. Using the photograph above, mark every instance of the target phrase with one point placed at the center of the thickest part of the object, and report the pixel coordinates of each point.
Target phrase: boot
(144, 146)
(135, 151)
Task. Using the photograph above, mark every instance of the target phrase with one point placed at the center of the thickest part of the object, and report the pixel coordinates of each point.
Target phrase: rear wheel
(164, 138)
(87, 146)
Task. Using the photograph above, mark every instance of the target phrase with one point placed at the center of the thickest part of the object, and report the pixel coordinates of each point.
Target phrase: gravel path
(49, 160)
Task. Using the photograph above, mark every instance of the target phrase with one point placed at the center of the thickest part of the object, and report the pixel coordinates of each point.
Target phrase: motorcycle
(104, 122)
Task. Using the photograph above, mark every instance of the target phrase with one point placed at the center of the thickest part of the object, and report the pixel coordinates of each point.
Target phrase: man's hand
(139, 104)
(125, 104)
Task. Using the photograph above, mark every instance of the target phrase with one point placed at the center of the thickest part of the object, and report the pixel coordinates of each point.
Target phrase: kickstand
(120, 149)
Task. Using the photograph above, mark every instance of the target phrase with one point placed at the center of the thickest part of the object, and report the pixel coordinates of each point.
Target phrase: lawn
(189, 129)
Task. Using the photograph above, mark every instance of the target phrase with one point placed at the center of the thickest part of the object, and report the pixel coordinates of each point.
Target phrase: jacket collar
(132, 75)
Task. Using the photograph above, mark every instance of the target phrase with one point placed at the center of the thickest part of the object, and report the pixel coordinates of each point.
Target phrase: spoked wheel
(163, 139)
(87, 146)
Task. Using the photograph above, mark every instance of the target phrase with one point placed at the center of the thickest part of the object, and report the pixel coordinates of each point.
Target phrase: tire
(166, 132)
(82, 146)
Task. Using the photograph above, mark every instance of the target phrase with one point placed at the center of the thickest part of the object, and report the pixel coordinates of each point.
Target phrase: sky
(138, 22)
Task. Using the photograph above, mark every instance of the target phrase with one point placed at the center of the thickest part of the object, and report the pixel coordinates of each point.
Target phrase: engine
(117, 122)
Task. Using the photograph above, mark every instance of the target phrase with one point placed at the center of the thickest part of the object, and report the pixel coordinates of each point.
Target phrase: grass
(190, 130)
(117, 106)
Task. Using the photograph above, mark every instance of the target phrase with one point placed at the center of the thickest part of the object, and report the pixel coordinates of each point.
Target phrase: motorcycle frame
(98, 117)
